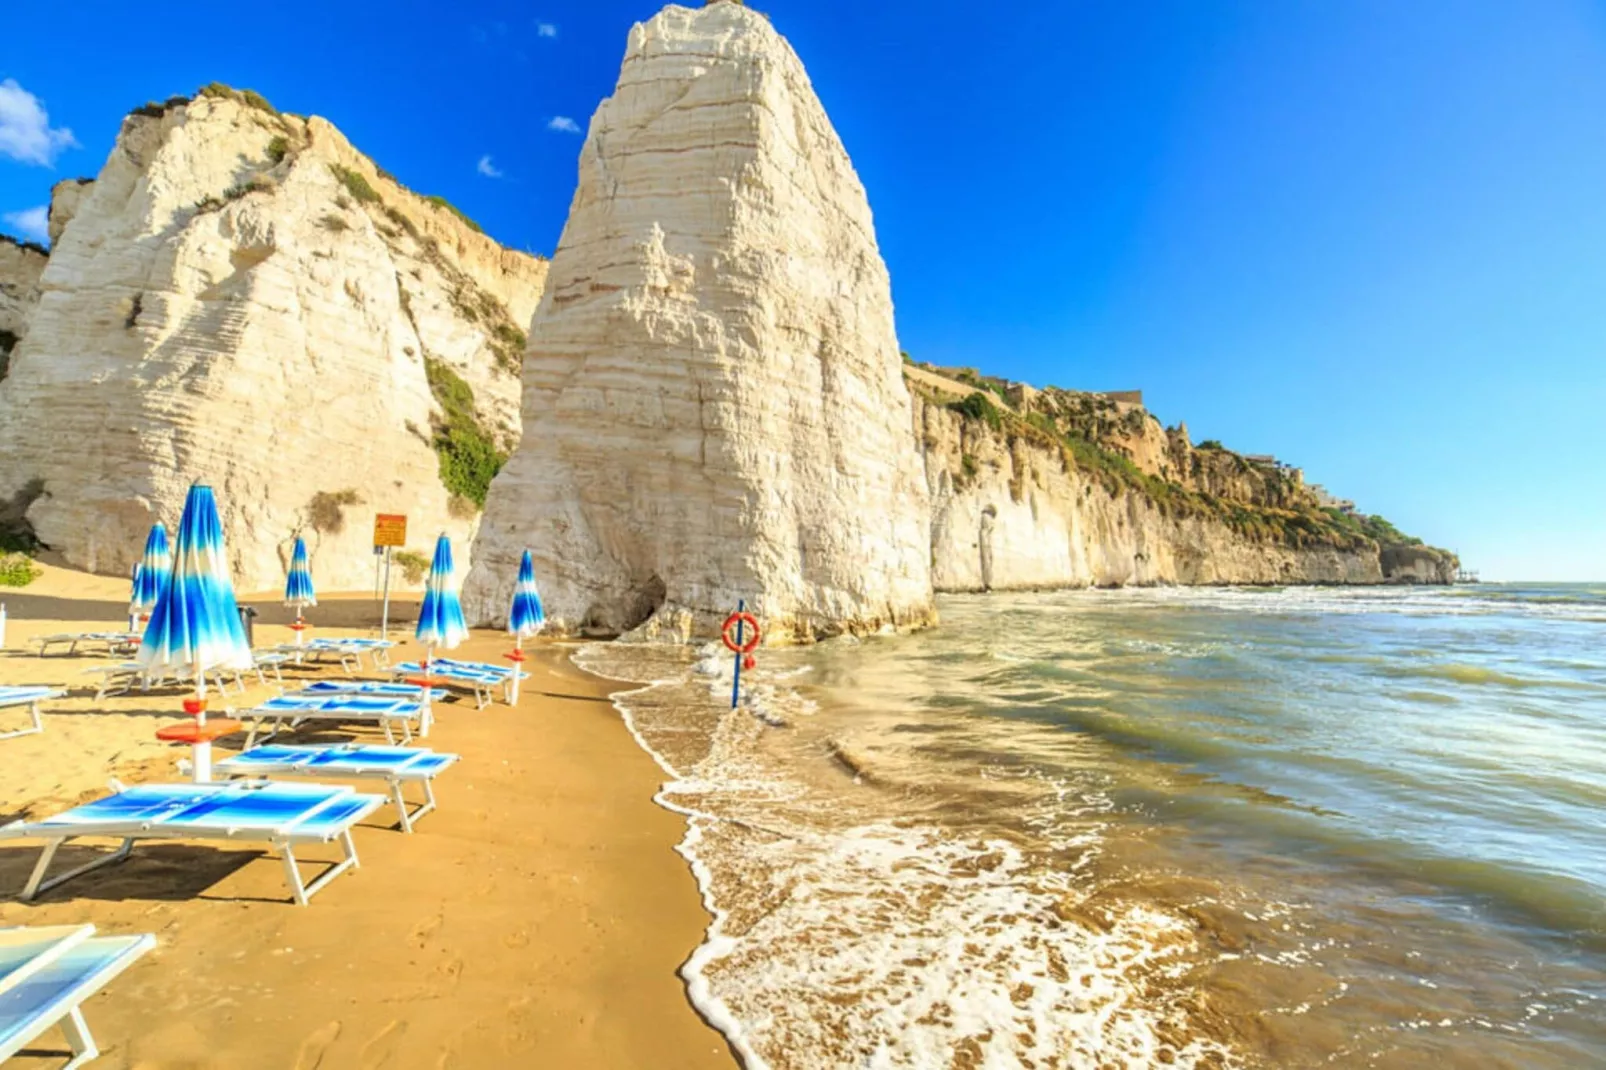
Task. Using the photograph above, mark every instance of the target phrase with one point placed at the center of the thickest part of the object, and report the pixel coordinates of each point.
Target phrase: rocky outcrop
(21, 264)
(65, 197)
(1010, 511)
(713, 407)
(242, 297)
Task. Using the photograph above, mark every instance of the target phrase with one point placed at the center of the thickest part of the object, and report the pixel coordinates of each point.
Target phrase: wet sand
(536, 919)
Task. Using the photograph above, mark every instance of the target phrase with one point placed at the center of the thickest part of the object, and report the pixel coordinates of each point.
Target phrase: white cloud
(25, 131)
(545, 29)
(486, 168)
(563, 124)
(30, 223)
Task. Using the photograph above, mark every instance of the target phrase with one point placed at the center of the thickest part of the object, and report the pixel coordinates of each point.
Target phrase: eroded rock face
(65, 197)
(241, 297)
(21, 264)
(713, 404)
(1008, 514)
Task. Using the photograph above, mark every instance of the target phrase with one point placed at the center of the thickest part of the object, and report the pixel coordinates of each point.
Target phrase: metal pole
(736, 679)
(384, 613)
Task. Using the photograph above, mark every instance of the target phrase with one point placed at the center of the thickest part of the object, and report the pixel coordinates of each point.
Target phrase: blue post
(736, 681)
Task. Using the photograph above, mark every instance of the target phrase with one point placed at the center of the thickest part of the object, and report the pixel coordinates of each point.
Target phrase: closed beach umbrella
(440, 622)
(195, 624)
(150, 574)
(525, 618)
(298, 591)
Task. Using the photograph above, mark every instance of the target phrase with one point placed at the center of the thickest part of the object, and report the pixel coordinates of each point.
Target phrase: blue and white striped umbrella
(196, 624)
(150, 575)
(298, 591)
(527, 615)
(440, 622)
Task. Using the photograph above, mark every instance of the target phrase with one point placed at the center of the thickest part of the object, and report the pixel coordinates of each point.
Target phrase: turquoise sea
(1163, 827)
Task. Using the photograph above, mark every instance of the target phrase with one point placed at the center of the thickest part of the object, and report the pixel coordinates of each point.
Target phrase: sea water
(1205, 827)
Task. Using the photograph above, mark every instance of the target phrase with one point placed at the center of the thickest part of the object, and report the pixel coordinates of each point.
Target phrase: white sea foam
(840, 938)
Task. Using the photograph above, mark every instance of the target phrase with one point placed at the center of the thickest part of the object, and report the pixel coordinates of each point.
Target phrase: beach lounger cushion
(395, 765)
(281, 815)
(60, 975)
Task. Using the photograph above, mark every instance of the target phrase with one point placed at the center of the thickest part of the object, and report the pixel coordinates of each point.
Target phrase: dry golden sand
(537, 919)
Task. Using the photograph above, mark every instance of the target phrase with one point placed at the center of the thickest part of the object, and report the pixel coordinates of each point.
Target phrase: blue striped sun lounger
(47, 972)
(389, 712)
(345, 651)
(394, 765)
(482, 678)
(282, 816)
(371, 688)
(30, 697)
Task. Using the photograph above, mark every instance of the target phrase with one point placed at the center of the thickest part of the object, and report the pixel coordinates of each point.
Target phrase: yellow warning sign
(390, 529)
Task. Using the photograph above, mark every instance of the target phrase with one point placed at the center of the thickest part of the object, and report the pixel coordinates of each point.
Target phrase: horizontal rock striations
(242, 297)
(713, 407)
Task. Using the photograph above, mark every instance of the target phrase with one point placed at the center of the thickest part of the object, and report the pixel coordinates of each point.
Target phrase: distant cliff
(242, 297)
(1053, 488)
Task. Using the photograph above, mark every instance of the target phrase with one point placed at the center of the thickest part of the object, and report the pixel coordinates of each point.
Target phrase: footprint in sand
(316, 1046)
(381, 1050)
(425, 931)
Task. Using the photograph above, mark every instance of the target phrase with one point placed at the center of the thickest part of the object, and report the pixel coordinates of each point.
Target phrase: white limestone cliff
(1011, 513)
(713, 404)
(21, 264)
(241, 297)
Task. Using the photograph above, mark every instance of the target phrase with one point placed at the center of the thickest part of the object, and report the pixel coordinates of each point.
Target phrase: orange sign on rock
(390, 529)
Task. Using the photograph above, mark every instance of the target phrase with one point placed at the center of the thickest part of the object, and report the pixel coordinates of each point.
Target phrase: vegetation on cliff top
(1304, 526)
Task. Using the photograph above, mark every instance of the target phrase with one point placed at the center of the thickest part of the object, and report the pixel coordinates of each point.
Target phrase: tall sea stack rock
(713, 403)
(242, 297)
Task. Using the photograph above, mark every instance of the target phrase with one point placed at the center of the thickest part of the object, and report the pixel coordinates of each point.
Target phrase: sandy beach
(536, 919)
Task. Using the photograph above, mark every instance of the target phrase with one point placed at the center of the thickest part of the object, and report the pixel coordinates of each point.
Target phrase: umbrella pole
(429, 685)
(202, 748)
(518, 663)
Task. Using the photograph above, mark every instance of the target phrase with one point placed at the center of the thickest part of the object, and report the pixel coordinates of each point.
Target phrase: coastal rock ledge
(714, 406)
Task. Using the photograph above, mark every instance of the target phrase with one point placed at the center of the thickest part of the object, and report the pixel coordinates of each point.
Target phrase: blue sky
(1365, 235)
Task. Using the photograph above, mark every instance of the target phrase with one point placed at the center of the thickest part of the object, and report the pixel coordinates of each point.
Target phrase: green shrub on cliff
(979, 406)
(468, 456)
(355, 184)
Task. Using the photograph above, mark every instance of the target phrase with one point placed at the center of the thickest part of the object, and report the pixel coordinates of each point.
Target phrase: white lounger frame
(387, 722)
(112, 641)
(393, 778)
(71, 1020)
(33, 714)
(282, 839)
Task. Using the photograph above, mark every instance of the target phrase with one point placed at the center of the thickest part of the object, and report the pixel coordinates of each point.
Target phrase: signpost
(390, 531)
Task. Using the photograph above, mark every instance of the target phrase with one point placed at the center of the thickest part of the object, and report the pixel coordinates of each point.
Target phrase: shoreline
(539, 917)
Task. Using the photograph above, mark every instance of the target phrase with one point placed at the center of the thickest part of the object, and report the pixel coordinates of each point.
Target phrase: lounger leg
(401, 805)
(38, 725)
(78, 1038)
(293, 874)
(390, 737)
(37, 882)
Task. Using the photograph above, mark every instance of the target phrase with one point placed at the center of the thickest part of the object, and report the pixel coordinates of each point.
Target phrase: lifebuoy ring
(750, 635)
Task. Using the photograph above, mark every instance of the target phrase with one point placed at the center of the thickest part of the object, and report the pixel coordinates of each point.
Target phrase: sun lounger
(46, 973)
(30, 697)
(388, 712)
(344, 651)
(479, 677)
(395, 765)
(109, 642)
(283, 816)
(409, 692)
(123, 677)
